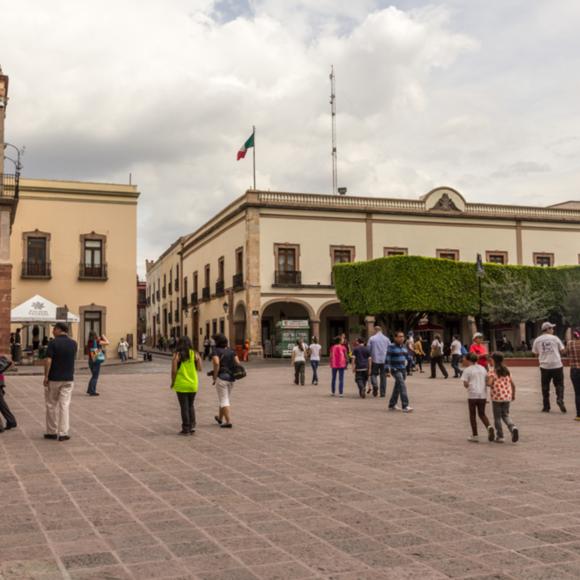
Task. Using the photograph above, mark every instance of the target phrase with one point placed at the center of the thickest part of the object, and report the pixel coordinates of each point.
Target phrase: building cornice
(84, 188)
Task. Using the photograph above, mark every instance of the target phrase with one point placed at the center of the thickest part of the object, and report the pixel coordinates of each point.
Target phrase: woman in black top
(224, 360)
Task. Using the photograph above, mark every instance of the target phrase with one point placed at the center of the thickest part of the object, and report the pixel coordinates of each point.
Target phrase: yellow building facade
(268, 257)
(75, 244)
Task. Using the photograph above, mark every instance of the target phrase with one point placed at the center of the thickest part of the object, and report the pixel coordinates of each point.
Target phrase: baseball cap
(547, 326)
(477, 335)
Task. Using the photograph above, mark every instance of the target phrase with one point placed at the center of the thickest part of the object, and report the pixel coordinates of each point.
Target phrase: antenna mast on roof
(333, 116)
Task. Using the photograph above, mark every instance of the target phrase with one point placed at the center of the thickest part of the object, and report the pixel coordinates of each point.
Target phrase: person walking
(338, 362)
(224, 361)
(410, 344)
(397, 357)
(503, 392)
(96, 355)
(419, 353)
(5, 411)
(185, 365)
(298, 361)
(574, 356)
(59, 369)
(206, 348)
(436, 356)
(479, 349)
(361, 366)
(475, 381)
(456, 349)
(378, 345)
(549, 350)
(123, 349)
(314, 353)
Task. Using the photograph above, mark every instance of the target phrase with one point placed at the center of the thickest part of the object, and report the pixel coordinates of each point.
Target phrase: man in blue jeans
(378, 345)
(397, 356)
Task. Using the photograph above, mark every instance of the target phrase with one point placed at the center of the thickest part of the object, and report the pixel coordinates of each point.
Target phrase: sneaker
(408, 410)
(395, 408)
(184, 433)
(562, 406)
(490, 433)
(515, 435)
(473, 439)
(499, 439)
(332, 394)
(341, 396)
(226, 426)
(217, 420)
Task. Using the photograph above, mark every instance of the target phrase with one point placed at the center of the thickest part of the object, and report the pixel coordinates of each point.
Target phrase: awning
(38, 310)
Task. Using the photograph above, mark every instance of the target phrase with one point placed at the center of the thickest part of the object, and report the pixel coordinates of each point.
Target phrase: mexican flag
(249, 143)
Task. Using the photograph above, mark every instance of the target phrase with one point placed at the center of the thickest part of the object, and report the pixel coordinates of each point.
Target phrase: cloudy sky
(480, 95)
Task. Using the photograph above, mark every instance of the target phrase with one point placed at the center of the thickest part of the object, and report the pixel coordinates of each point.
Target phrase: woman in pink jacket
(338, 362)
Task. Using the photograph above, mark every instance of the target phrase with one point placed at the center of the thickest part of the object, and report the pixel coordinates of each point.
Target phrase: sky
(479, 95)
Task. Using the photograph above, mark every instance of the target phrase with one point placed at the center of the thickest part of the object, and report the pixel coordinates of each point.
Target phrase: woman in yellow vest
(184, 381)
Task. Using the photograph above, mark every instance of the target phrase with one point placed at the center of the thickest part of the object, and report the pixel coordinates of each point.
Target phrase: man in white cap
(549, 348)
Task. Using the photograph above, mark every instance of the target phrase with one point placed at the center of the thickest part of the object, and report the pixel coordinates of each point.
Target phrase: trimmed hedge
(418, 284)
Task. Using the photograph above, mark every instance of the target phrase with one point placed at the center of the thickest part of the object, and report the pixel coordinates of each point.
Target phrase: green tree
(570, 308)
(513, 300)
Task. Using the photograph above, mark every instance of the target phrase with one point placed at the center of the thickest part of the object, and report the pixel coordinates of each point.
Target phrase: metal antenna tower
(333, 116)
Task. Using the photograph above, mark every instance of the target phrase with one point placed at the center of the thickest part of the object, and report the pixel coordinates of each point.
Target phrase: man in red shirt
(479, 349)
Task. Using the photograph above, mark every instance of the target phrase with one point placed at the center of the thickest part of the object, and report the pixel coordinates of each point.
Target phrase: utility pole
(333, 117)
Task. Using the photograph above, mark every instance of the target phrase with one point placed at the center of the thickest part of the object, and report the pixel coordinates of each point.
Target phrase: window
(222, 326)
(206, 276)
(185, 289)
(240, 261)
(177, 278)
(195, 278)
(388, 252)
(448, 254)
(36, 250)
(93, 264)
(341, 254)
(543, 259)
(214, 326)
(287, 264)
(496, 257)
(93, 323)
(221, 268)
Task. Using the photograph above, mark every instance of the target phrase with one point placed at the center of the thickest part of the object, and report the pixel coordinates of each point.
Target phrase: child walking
(474, 380)
(184, 381)
(503, 392)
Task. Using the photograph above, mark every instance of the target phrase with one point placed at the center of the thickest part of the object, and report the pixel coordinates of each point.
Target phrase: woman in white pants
(224, 360)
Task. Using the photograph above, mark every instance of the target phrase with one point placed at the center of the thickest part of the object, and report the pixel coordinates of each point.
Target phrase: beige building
(268, 257)
(75, 244)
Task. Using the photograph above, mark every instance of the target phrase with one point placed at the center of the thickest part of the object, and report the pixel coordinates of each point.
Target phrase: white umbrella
(38, 310)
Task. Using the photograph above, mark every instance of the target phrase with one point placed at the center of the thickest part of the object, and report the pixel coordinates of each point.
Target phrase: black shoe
(191, 431)
(546, 410)
(51, 436)
(63, 437)
(515, 435)
(10, 426)
(1, 429)
(226, 425)
(562, 406)
(217, 420)
(94, 394)
(184, 433)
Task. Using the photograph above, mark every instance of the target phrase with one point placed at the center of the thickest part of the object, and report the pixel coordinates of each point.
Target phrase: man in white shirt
(456, 356)
(378, 345)
(549, 348)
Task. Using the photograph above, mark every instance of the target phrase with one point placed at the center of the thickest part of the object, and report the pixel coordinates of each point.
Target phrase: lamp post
(17, 166)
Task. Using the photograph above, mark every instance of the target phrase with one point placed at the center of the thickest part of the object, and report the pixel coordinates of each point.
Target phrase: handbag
(239, 372)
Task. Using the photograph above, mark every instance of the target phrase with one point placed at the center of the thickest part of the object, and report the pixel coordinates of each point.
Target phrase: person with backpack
(224, 362)
(185, 365)
(436, 356)
(96, 355)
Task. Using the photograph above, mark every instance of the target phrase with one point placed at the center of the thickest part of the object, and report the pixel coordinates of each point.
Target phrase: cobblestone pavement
(304, 486)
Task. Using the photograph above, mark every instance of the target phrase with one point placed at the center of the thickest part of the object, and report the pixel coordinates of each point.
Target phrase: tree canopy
(404, 284)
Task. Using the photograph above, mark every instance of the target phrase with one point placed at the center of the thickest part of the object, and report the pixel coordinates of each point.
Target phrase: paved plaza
(303, 486)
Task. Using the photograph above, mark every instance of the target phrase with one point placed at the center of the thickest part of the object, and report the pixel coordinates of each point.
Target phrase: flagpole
(254, 154)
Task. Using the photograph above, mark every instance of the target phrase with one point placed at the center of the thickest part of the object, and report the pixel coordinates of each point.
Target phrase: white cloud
(427, 95)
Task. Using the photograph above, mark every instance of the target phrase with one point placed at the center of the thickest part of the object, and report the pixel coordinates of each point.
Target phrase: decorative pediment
(444, 199)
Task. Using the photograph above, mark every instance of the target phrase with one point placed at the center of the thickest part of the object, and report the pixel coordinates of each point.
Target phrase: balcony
(194, 299)
(238, 281)
(170, 290)
(163, 292)
(36, 270)
(220, 288)
(205, 293)
(92, 272)
(176, 285)
(158, 296)
(291, 278)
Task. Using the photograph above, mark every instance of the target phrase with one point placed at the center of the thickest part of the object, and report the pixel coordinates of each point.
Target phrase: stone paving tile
(303, 486)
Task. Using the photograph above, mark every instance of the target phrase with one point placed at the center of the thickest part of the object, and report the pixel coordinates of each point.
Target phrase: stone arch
(326, 305)
(292, 300)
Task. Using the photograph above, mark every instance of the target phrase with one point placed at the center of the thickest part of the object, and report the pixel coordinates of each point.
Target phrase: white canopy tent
(38, 310)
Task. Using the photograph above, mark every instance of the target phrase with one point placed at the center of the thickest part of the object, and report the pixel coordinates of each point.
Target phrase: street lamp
(226, 307)
(17, 166)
